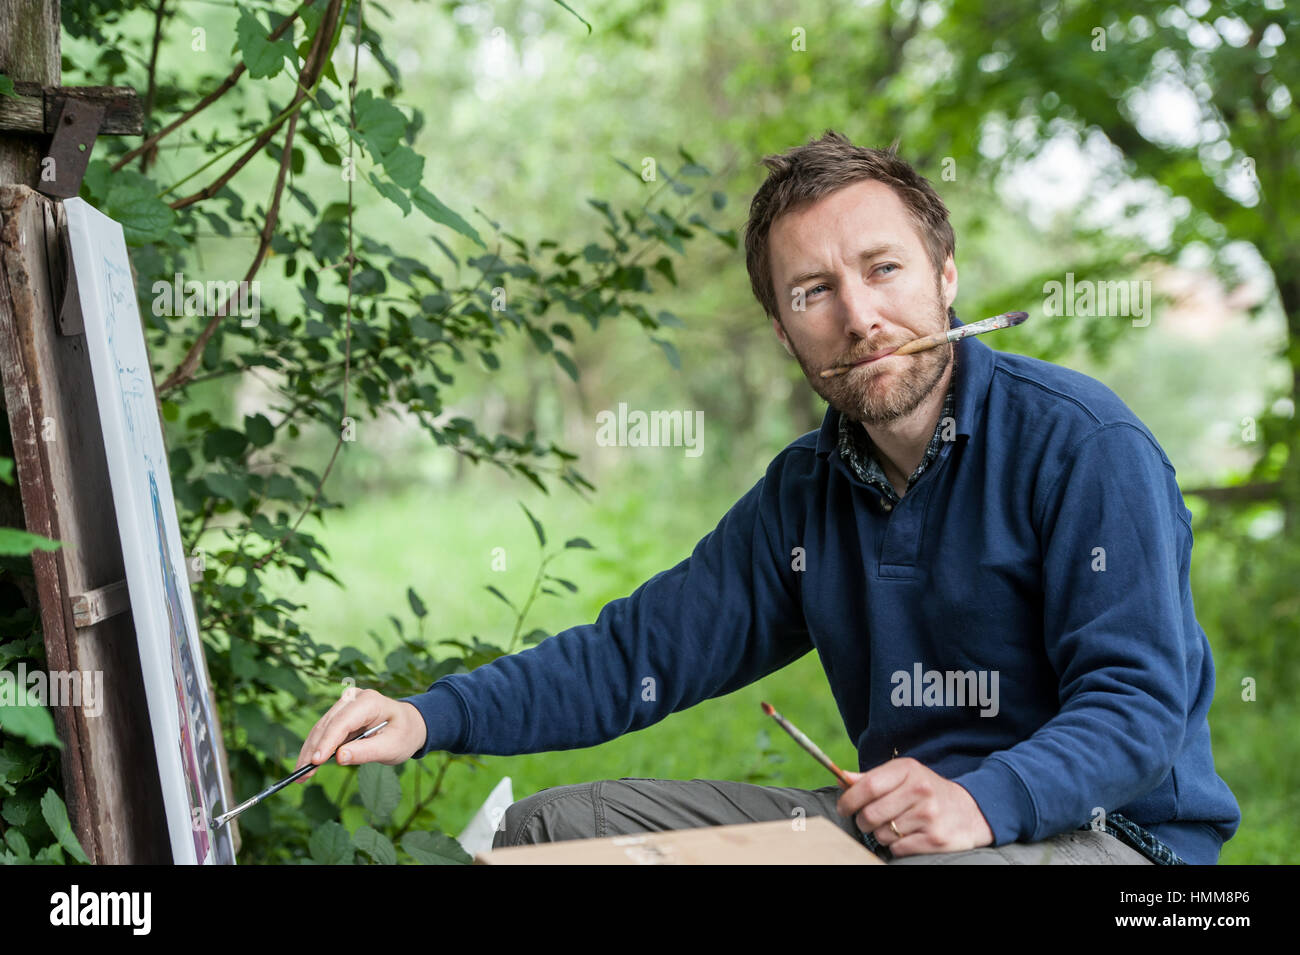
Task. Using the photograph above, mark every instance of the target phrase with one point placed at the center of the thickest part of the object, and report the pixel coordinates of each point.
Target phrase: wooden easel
(110, 775)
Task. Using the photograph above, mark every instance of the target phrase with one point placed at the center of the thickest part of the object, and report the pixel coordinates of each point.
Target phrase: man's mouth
(884, 353)
(849, 366)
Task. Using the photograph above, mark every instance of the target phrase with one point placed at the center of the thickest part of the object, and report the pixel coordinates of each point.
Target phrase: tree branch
(224, 87)
(316, 59)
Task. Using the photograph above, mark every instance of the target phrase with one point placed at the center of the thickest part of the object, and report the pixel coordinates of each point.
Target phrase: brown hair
(805, 174)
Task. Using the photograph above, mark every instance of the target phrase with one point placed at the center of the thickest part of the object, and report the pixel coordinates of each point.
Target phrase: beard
(862, 393)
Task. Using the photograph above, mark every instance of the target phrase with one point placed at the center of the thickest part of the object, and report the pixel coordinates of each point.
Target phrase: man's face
(868, 286)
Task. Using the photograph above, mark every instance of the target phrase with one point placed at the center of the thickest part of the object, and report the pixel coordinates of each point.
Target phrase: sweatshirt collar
(972, 372)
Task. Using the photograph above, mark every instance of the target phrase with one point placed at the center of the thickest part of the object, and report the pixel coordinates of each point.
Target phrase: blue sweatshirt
(1021, 622)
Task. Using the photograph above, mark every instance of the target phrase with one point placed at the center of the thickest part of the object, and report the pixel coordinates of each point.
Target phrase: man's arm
(1115, 546)
(722, 618)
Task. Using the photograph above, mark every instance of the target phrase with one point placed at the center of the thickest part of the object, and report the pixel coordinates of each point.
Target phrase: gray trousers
(619, 807)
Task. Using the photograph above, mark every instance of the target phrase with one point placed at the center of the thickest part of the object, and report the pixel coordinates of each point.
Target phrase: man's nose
(859, 309)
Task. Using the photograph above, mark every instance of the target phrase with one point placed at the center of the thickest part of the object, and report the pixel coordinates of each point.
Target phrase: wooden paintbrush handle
(921, 344)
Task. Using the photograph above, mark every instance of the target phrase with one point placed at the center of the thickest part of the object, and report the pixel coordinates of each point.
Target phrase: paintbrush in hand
(225, 817)
(808, 744)
(1005, 320)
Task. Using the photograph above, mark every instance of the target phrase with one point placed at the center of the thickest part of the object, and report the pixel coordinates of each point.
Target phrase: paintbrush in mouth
(1005, 320)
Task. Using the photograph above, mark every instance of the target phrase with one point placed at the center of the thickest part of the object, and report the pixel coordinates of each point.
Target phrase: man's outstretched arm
(724, 617)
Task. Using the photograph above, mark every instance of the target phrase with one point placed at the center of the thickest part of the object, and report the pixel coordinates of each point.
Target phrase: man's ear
(949, 282)
(780, 334)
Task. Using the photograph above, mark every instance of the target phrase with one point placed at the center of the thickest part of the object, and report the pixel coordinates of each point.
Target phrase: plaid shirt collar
(858, 452)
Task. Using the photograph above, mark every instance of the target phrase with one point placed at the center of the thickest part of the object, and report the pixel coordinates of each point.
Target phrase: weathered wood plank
(36, 109)
(110, 775)
(99, 604)
(29, 53)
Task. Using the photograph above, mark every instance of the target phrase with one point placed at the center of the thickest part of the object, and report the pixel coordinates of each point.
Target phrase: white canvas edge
(164, 719)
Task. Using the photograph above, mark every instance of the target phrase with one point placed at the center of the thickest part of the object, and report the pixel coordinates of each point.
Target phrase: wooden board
(818, 842)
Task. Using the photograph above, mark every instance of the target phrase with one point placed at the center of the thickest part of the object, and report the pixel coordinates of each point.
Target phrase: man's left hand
(931, 813)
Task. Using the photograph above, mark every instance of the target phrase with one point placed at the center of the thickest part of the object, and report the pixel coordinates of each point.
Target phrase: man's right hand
(355, 712)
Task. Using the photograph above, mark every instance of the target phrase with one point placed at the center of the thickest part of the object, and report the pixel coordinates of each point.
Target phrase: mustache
(878, 347)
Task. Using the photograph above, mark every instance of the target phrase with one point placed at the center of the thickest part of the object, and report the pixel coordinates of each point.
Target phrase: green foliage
(370, 328)
(34, 825)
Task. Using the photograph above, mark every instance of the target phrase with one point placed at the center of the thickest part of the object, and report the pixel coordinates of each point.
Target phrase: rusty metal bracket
(74, 139)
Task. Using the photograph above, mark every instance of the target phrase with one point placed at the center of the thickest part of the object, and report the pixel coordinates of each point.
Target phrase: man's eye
(815, 288)
(887, 265)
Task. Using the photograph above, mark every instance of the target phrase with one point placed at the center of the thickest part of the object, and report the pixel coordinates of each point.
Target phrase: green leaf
(502, 597)
(224, 443)
(579, 542)
(50, 855)
(541, 536)
(228, 486)
(432, 207)
(263, 57)
(594, 253)
(435, 848)
(18, 810)
(417, 605)
(575, 13)
(390, 191)
(728, 237)
(316, 804)
(15, 838)
(541, 341)
(259, 430)
(243, 659)
(531, 475)
(565, 362)
(404, 166)
(376, 845)
(670, 352)
(55, 814)
(379, 123)
(7, 87)
(331, 845)
(30, 720)
(7, 469)
(18, 761)
(14, 542)
(379, 788)
(144, 217)
(665, 266)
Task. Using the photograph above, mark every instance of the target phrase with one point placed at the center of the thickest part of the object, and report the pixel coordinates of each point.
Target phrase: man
(989, 553)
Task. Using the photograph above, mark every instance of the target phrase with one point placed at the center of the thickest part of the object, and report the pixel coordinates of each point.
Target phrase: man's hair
(804, 174)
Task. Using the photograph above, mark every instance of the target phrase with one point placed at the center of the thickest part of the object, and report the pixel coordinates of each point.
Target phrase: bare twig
(148, 156)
